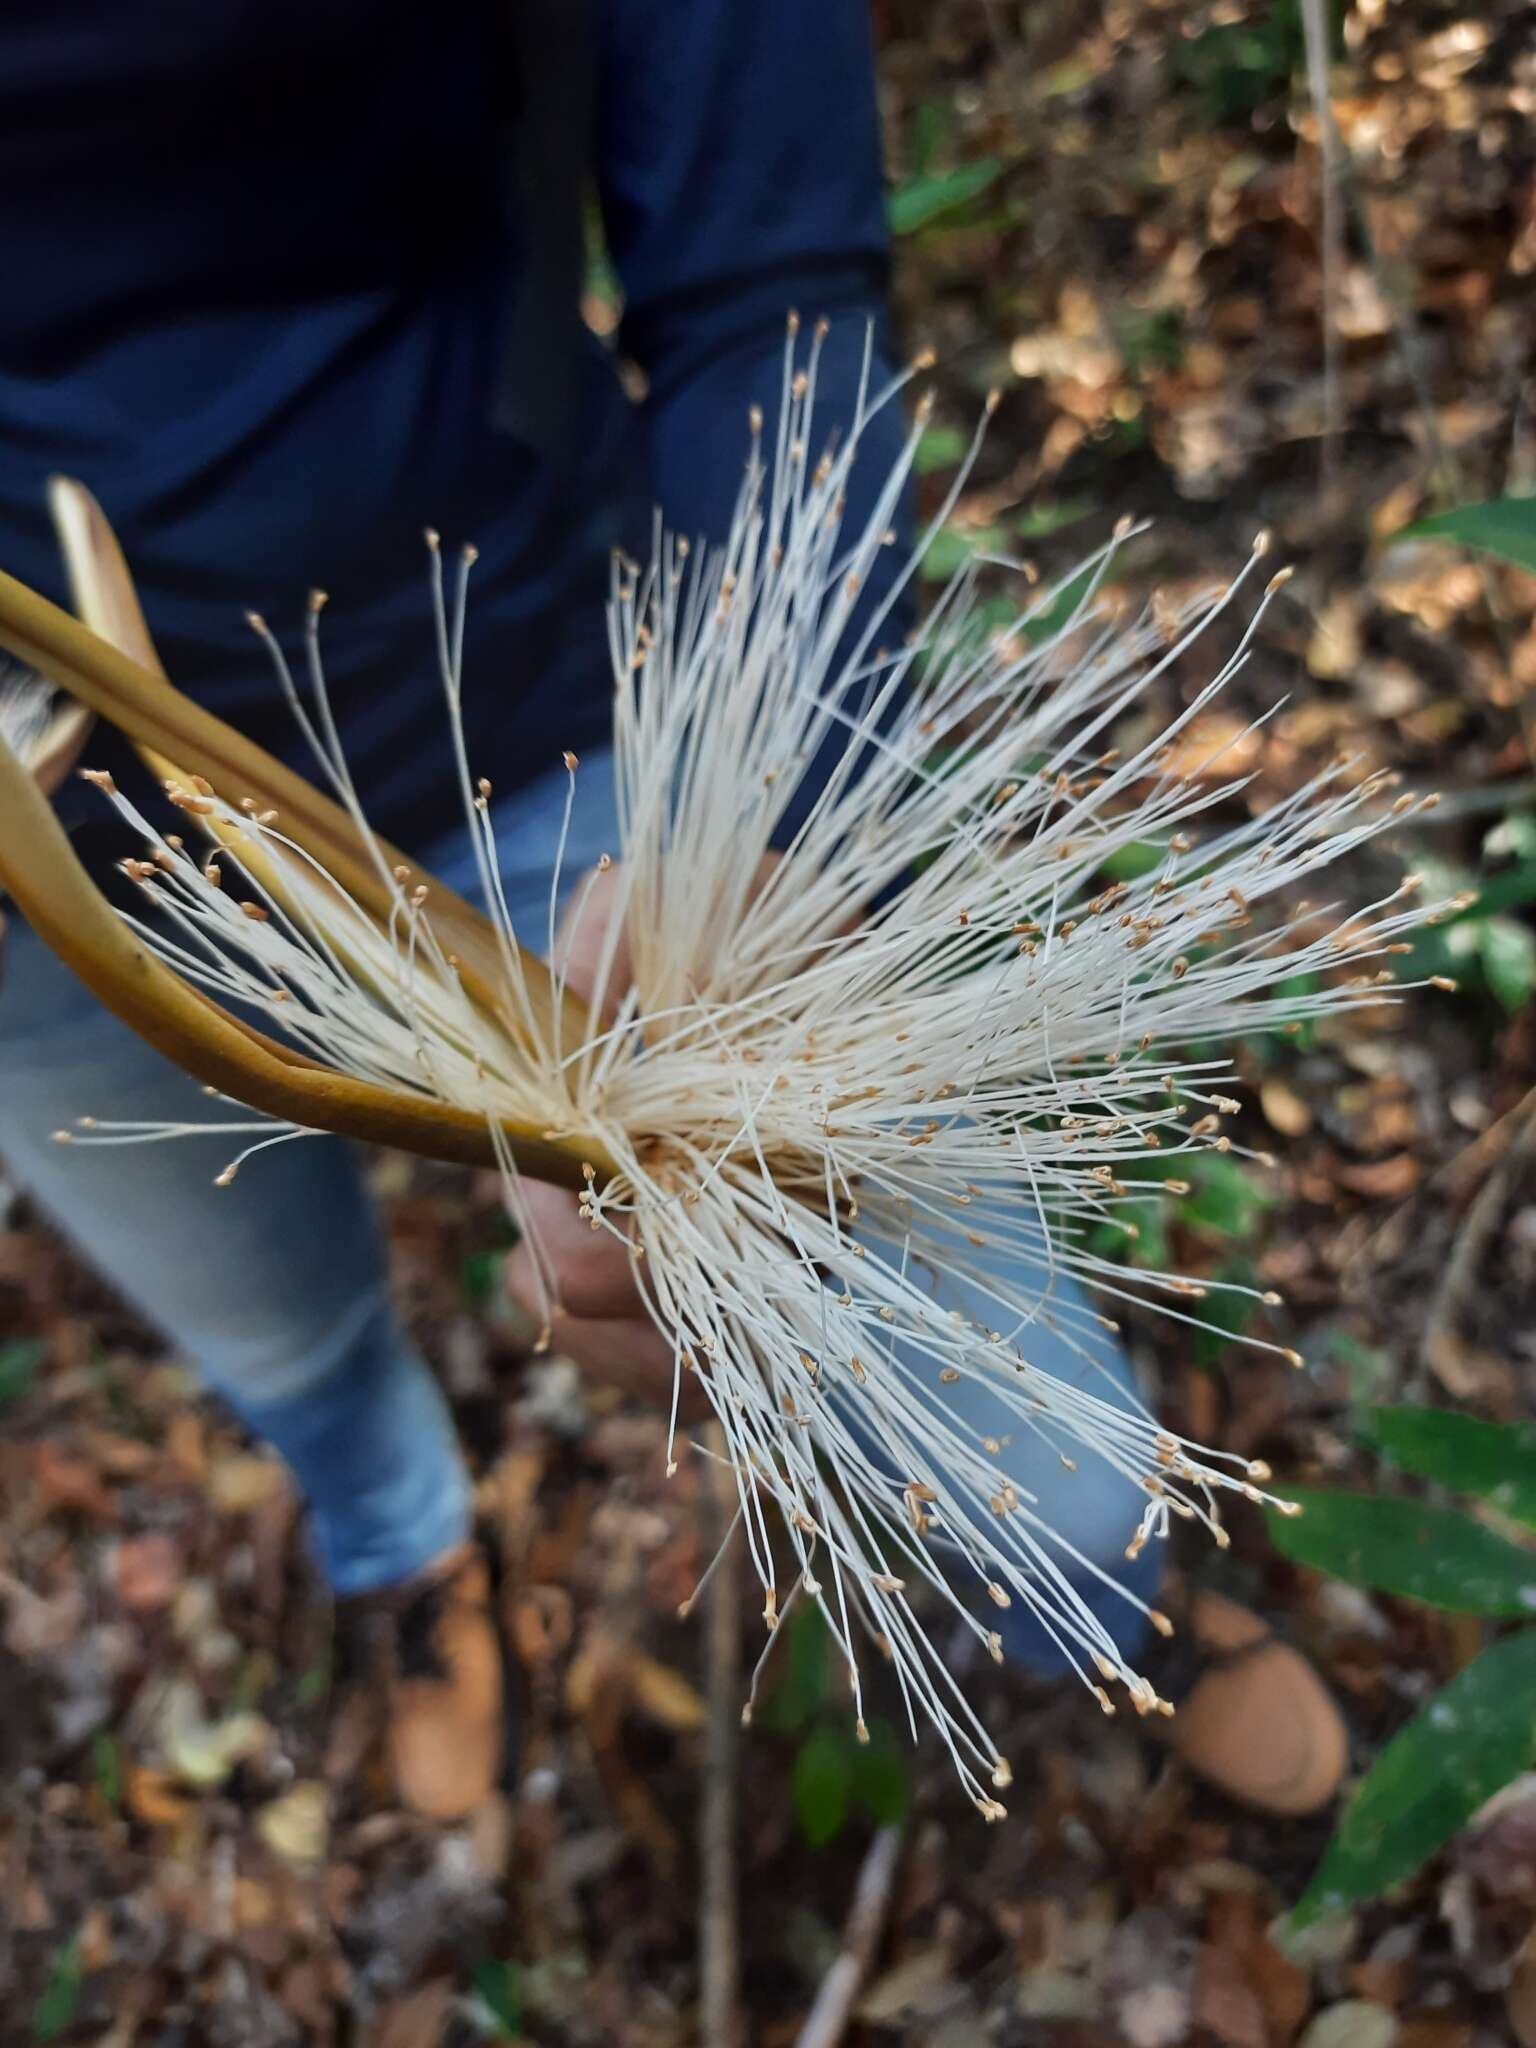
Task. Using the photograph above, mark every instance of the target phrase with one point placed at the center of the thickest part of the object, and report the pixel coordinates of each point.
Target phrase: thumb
(583, 934)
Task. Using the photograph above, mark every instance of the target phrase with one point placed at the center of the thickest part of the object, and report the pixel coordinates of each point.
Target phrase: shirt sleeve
(740, 174)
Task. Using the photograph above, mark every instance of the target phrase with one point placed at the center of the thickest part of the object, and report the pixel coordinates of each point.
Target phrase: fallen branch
(829, 2016)
(719, 1933)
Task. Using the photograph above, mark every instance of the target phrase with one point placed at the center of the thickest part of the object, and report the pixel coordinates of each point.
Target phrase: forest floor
(1113, 217)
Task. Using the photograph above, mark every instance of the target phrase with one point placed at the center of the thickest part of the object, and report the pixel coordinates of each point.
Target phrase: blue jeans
(276, 1290)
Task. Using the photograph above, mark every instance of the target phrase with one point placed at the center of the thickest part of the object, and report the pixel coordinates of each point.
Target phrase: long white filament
(925, 1043)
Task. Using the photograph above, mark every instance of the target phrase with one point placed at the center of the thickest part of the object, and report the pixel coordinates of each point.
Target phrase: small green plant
(107, 1766)
(1479, 1731)
(495, 2003)
(1236, 67)
(54, 2012)
(834, 1774)
(1486, 947)
(1208, 1193)
(925, 194)
(1505, 527)
(19, 1362)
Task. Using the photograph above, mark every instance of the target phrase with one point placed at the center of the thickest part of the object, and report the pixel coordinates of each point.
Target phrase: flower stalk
(40, 871)
(179, 738)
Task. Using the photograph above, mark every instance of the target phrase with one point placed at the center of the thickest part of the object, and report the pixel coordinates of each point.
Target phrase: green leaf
(1505, 527)
(1367, 1369)
(1507, 950)
(313, 1685)
(940, 448)
(19, 1361)
(1399, 1546)
(107, 1766)
(923, 199)
(1431, 1778)
(55, 2008)
(1149, 1248)
(1150, 338)
(499, 1995)
(1223, 1197)
(804, 1685)
(882, 1777)
(1061, 607)
(1292, 990)
(823, 1782)
(478, 1276)
(1494, 1460)
(1052, 514)
(931, 126)
(1225, 1315)
(1130, 862)
(953, 546)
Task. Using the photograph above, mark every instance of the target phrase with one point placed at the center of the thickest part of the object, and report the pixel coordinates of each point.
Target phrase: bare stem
(720, 1945)
(828, 2018)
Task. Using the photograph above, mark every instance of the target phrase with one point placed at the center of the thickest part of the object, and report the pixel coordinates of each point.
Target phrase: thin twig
(719, 1936)
(1314, 19)
(1471, 1240)
(1456, 805)
(829, 2016)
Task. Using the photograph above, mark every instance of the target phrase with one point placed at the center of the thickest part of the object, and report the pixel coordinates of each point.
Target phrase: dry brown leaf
(540, 1621)
(156, 1798)
(96, 1945)
(38, 1625)
(1217, 745)
(1337, 643)
(1436, 2030)
(642, 1818)
(1383, 1180)
(1154, 2015)
(491, 1835)
(122, 1457)
(912, 1985)
(296, 1827)
(1225, 2002)
(665, 1695)
(1284, 1109)
(147, 1571)
(1352, 2023)
(508, 1492)
(1284, 1988)
(1520, 1994)
(305, 1991)
(1382, 1982)
(241, 1481)
(69, 1484)
(597, 1687)
(419, 2020)
(186, 1445)
(255, 1903)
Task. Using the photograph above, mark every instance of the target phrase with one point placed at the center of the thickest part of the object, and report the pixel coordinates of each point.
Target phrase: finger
(583, 933)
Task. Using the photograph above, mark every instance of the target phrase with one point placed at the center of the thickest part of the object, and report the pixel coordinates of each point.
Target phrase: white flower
(798, 1115)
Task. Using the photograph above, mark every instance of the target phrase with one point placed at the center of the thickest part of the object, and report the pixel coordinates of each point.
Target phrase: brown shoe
(433, 1648)
(1251, 1715)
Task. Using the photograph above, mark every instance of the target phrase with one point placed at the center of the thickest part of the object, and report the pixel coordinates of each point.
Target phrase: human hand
(600, 1320)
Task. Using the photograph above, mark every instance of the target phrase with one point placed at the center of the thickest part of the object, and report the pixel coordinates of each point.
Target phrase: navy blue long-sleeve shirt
(257, 264)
